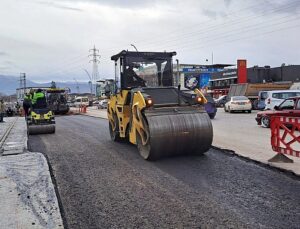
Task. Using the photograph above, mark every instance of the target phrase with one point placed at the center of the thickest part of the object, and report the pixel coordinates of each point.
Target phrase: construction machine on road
(57, 100)
(41, 119)
(146, 109)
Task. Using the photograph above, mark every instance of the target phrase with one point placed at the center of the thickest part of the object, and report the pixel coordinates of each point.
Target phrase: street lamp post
(134, 47)
(90, 82)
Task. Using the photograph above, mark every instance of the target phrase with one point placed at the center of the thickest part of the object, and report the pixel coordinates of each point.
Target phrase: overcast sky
(50, 39)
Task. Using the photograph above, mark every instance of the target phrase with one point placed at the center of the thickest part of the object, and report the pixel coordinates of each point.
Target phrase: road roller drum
(177, 133)
(41, 129)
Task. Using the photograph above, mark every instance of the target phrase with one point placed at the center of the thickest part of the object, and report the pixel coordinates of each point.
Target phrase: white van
(274, 98)
(81, 101)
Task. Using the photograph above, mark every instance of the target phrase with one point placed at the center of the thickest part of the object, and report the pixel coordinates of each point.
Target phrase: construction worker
(39, 99)
(18, 108)
(27, 104)
(2, 110)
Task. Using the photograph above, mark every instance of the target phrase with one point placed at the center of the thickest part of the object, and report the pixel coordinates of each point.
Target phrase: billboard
(196, 81)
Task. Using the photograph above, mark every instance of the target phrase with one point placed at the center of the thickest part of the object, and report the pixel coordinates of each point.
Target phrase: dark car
(220, 102)
(289, 107)
(210, 106)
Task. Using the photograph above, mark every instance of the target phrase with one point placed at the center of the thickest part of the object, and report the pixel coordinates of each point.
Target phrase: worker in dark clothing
(27, 104)
(2, 110)
(18, 108)
(132, 79)
(39, 99)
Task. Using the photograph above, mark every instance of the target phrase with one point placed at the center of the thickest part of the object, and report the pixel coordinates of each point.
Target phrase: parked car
(220, 102)
(102, 104)
(238, 103)
(289, 107)
(273, 98)
(95, 103)
(82, 101)
(210, 106)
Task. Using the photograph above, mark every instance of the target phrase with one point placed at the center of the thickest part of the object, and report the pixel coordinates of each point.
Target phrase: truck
(251, 90)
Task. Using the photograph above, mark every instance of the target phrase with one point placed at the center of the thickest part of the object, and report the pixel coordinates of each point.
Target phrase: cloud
(279, 7)
(210, 13)
(4, 68)
(50, 39)
(3, 53)
(227, 2)
(128, 4)
(59, 6)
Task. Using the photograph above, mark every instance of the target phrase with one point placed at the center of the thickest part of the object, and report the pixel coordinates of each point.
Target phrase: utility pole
(22, 85)
(177, 73)
(95, 60)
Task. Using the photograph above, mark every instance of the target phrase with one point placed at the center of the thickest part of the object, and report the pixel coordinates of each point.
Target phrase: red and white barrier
(285, 137)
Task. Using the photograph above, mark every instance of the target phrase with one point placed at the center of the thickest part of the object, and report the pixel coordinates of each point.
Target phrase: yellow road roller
(41, 119)
(148, 111)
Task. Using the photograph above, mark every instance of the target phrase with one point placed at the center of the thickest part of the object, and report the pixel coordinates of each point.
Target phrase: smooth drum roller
(41, 129)
(181, 133)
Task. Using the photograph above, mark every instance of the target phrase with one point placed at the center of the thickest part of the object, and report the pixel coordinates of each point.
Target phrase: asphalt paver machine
(57, 100)
(148, 111)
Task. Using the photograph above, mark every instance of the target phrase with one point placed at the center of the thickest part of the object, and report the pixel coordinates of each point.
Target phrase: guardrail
(285, 138)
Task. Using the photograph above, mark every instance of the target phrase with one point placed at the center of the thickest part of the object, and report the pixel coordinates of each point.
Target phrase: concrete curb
(268, 165)
(27, 194)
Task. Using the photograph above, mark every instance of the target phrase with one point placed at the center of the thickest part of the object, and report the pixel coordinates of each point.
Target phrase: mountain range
(9, 84)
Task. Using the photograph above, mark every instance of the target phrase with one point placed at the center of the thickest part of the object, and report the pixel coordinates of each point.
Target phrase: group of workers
(8, 110)
(33, 99)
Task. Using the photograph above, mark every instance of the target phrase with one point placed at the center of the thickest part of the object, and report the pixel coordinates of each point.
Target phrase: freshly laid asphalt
(103, 184)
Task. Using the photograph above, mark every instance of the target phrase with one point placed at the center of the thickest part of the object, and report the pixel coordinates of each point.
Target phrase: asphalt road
(108, 185)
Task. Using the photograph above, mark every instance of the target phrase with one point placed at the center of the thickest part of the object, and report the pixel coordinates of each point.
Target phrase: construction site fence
(285, 135)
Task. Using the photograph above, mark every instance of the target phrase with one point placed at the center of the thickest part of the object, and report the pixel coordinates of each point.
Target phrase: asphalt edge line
(232, 153)
(59, 201)
(54, 183)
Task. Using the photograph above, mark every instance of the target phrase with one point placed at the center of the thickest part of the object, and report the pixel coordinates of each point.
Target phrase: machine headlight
(149, 102)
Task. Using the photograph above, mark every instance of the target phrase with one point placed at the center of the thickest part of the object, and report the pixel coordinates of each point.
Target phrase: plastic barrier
(82, 109)
(285, 138)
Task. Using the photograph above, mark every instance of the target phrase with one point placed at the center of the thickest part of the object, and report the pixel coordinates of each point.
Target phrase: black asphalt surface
(103, 184)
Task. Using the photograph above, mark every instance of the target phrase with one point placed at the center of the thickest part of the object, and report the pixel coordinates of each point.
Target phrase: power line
(233, 33)
(214, 28)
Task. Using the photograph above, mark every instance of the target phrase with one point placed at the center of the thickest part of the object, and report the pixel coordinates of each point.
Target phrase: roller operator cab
(148, 111)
